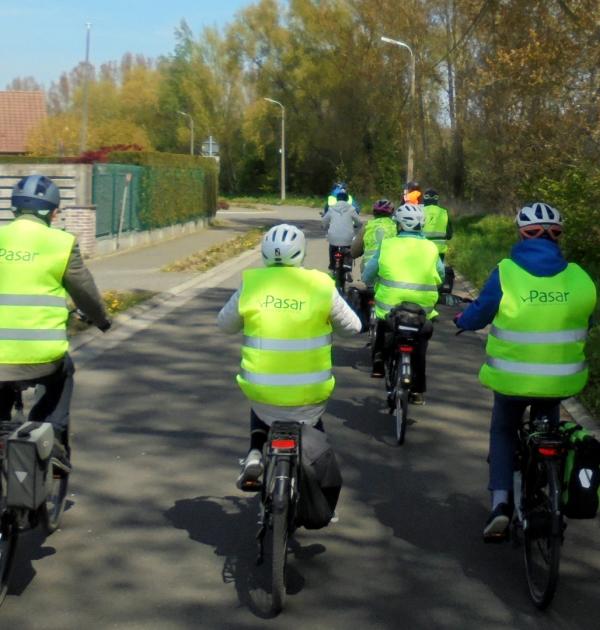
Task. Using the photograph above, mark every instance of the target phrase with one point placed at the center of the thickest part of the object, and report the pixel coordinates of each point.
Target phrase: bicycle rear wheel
(8, 545)
(401, 414)
(279, 540)
(542, 531)
(53, 508)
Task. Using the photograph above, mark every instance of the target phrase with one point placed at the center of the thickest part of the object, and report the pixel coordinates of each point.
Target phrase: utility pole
(282, 149)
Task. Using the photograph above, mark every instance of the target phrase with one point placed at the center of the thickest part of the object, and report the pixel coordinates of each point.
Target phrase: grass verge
(208, 258)
(478, 244)
(115, 302)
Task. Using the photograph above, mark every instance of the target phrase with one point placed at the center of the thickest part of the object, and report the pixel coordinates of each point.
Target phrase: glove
(456, 319)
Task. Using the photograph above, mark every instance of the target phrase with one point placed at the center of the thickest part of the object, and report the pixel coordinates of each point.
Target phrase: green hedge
(175, 188)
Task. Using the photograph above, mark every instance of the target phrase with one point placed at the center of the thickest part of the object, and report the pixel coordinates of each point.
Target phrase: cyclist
(332, 197)
(438, 227)
(39, 266)
(539, 306)
(413, 194)
(340, 221)
(369, 237)
(287, 314)
(406, 268)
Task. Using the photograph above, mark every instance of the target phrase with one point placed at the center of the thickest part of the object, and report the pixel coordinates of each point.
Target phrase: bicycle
(15, 518)
(406, 323)
(340, 268)
(279, 499)
(537, 499)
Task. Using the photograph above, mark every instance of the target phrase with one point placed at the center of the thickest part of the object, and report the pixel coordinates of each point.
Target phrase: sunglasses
(537, 231)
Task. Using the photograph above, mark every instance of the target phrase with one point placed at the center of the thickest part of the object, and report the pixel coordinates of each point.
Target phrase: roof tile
(19, 113)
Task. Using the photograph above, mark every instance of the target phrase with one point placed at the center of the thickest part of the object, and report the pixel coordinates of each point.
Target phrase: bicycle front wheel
(542, 531)
(8, 545)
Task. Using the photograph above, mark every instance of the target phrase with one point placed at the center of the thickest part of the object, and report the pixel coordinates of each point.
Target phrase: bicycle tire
(401, 415)
(543, 531)
(8, 546)
(279, 539)
(54, 505)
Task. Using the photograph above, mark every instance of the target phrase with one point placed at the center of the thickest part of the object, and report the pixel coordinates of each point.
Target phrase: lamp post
(191, 130)
(282, 150)
(410, 161)
(86, 80)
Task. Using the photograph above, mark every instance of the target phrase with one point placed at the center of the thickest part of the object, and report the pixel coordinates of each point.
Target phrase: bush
(174, 188)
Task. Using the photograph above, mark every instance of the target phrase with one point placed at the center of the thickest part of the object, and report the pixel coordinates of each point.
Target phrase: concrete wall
(74, 181)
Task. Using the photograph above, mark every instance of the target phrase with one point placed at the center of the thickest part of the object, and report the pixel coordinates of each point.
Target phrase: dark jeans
(52, 398)
(418, 356)
(259, 430)
(507, 413)
(345, 249)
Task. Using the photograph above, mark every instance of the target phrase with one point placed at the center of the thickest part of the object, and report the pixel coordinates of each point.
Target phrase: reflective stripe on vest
(285, 345)
(286, 356)
(407, 272)
(28, 334)
(537, 369)
(33, 307)
(32, 300)
(279, 380)
(536, 343)
(407, 285)
(389, 307)
(563, 336)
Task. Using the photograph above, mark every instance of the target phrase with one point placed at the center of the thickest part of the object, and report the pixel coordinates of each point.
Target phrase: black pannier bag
(581, 477)
(320, 480)
(405, 315)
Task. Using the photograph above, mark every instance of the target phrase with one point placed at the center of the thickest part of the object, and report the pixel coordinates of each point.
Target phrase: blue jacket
(539, 257)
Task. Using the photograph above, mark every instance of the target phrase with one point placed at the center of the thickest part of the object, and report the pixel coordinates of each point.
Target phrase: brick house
(20, 112)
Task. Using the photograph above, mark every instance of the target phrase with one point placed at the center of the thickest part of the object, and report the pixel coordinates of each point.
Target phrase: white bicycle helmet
(410, 217)
(538, 213)
(284, 244)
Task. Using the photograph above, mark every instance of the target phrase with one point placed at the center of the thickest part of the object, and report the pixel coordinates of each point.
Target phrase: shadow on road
(229, 524)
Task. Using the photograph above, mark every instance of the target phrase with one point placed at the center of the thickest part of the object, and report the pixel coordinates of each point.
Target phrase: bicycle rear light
(549, 451)
(285, 445)
(406, 348)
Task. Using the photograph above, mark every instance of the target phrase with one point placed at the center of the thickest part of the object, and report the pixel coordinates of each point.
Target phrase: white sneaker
(252, 469)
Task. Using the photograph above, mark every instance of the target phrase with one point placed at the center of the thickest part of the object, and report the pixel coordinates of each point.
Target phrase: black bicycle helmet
(36, 194)
(430, 197)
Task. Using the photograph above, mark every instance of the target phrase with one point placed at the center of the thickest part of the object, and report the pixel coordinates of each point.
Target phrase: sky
(44, 38)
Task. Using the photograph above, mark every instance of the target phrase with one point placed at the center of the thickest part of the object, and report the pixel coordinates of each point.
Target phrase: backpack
(581, 477)
(320, 480)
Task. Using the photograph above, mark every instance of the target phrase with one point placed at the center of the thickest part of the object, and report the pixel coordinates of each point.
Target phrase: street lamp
(282, 145)
(410, 161)
(86, 80)
(191, 131)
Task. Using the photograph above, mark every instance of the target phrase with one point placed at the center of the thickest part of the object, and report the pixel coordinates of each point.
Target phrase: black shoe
(416, 398)
(496, 527)
(378, 370)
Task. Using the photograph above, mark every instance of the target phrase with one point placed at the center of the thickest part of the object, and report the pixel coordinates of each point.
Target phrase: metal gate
(116, 195)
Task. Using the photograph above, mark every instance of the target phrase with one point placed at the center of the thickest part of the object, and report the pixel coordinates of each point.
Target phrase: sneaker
(417, 398)
(496, 527)
(252, 469)
(378, 370)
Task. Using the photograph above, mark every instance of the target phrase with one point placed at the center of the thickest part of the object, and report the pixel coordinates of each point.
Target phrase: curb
(85, 338)
(572, 406)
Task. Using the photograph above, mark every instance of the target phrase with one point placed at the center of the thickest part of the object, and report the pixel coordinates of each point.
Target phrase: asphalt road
(158, 537)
